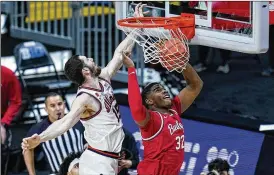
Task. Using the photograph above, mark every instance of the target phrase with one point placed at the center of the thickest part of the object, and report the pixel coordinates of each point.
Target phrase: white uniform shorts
(97, 163)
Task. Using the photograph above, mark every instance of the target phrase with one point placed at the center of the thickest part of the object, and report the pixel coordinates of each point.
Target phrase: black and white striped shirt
(56, 150)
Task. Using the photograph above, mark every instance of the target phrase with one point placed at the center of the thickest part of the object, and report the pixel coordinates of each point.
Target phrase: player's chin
(168, 102)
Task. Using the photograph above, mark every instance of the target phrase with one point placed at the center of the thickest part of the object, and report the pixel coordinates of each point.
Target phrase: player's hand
(126, 60)
(31, 142)
(139, 10)
(125, 163)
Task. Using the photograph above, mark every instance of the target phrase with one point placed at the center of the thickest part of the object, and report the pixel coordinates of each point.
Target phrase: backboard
(238, 26)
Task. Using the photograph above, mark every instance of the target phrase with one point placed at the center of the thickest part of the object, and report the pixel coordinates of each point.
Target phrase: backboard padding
(237, 26)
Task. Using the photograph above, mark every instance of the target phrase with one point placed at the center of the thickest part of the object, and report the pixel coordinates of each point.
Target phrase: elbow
(197, 87)
(200, 85)
(134, 109)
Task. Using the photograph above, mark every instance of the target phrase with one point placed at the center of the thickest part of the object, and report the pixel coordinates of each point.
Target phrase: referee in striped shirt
(56, 150)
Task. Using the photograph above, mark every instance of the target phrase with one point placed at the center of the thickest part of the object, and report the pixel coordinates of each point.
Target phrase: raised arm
(138, 111)
(79, 106)
(193, 88)
(117, 61)
(125, 46)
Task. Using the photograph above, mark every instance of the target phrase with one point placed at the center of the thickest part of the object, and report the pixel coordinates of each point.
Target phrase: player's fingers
(141, 10)
(124, 54)
(136, 12)
(34, 135)
(127, 53)
(146, 12)
(25, 145)
(25, 141)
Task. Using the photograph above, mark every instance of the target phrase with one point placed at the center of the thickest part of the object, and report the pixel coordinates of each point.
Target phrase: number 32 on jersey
(180, 142)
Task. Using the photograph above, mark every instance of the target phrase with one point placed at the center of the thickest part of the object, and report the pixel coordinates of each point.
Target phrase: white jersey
(103, 130)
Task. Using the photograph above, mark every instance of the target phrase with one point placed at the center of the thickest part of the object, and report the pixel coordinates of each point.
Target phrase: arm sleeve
(14, 101)
(137, 109)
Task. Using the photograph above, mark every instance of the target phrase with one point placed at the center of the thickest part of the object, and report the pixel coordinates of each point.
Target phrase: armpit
(91, 109)
(88, 111)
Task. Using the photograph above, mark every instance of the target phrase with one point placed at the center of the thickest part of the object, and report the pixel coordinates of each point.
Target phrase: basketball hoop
(164, 40)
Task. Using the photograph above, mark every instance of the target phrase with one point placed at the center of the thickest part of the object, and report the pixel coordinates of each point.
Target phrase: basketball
(173, 54)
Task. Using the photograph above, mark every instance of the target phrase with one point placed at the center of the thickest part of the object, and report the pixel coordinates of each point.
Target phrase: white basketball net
(152, 40)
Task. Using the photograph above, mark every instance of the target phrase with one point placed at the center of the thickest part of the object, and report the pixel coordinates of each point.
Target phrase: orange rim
(155, 22)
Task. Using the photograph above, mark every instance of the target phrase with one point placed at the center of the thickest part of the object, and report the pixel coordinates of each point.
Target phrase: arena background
(223, 122)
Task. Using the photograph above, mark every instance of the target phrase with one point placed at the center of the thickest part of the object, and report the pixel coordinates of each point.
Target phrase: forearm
(11, 112)
(127, 44)
(15, 101)
(117, 61)
(29, 161)
(55, 129)
(192, 78)
(134, 96)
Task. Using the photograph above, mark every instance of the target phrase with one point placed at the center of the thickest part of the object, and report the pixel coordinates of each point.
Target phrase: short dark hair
(219, 165)
(146, 91)
(52, 94)
(73, 70)
(66, 162)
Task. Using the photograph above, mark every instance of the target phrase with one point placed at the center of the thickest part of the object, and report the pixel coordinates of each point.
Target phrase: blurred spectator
(56, 150)
(10, 102)
(10, 105)
(270, 69)
(218, 167)
(129, 154)
(202, 65)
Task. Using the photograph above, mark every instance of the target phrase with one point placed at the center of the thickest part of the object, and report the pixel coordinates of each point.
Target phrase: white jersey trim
(157, 133)
(174, 111)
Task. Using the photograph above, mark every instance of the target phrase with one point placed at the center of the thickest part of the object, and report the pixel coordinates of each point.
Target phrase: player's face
(90, 64)
(55, 108)
(160, 97)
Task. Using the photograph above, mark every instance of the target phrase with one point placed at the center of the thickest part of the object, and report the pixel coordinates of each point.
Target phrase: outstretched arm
(193, 88)
(125, 46)
(138, 111)
(117, 61)
(79, 106)
(68, 121)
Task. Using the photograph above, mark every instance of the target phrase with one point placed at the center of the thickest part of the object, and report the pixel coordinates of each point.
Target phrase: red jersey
(163, 140)
(10, 95)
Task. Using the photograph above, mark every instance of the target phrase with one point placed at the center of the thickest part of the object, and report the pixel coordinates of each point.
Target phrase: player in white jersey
(97, 108)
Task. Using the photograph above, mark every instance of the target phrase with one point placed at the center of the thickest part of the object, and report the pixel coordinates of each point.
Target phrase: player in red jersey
(158, 117)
